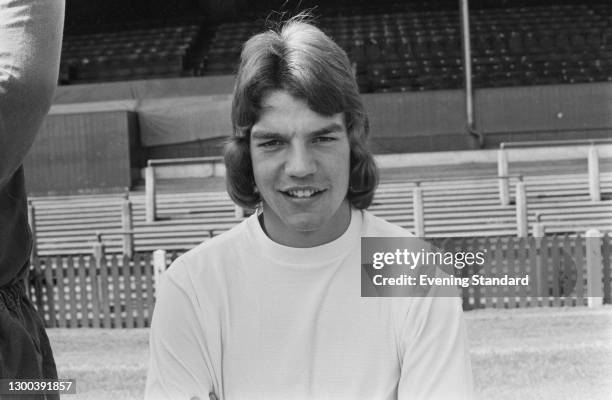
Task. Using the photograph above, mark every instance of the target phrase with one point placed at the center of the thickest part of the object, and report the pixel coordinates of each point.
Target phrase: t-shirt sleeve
(181, 363)
(30, 42)
(434, 356)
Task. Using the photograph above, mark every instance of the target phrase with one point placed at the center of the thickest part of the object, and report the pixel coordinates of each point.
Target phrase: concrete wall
(400, 122)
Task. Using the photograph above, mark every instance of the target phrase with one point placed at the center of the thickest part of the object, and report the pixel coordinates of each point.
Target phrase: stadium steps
(68, 224)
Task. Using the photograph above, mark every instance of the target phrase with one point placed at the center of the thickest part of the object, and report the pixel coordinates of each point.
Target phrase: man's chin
(305, 226)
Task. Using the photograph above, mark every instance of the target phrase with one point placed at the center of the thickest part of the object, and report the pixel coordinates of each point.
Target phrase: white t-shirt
(247, 318)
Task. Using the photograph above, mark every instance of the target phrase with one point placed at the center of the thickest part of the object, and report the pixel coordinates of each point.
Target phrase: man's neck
(303, 239)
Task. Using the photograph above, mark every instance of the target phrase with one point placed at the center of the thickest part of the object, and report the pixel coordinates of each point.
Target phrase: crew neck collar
(305, 255)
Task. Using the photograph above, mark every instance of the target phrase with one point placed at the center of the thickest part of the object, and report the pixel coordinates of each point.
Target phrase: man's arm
(30, 43)
(181, 354)
(434, 352)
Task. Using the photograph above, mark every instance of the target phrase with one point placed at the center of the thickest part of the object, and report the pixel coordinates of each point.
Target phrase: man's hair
(301, 60)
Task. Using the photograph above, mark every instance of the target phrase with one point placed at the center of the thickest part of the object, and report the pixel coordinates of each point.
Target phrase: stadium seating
(68, 225)
(127, 54)
(401, 49)
(421, 50)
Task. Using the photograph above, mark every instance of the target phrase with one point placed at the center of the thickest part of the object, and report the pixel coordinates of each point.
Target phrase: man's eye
(323, 139)
(270, 143)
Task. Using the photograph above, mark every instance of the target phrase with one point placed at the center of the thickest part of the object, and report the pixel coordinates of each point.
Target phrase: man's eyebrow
(264, 135)
(331, 128)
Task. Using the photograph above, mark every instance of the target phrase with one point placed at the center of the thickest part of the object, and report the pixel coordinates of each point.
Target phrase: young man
(30, 42)
(272, 309)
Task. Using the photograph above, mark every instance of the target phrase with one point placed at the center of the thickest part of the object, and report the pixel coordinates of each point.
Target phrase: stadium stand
(395, 47)
(401, 49)
(128, 54)
(421, 50)
(68, 225)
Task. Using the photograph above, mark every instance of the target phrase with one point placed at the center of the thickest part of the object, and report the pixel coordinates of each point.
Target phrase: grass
(538, 353)
(107, 364)
(542, 353)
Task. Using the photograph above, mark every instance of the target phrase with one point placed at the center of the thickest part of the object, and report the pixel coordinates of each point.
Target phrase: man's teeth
(302, 193)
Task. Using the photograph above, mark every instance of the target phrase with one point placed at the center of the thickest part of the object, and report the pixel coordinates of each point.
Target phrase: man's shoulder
(378, 227)
(210, 256)
(220, 244)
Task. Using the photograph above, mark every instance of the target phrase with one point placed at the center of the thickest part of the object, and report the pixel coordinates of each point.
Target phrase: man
(30, 42)
(272, 308)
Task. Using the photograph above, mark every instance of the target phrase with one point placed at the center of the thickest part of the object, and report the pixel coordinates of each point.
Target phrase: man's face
(301, 167)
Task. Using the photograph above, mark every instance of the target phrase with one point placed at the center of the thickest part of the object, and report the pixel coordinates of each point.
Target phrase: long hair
(301, 60)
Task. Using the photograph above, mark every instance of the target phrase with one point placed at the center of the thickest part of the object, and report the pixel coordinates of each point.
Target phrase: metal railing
(592, 157)
(563, 142)
(150, 187)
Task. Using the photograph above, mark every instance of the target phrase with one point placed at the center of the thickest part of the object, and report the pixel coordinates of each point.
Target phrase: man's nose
(300, 161)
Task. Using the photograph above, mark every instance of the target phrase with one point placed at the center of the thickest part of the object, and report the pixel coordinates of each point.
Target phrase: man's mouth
(302, 193)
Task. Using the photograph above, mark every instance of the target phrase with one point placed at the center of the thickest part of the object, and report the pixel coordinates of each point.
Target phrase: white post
(418, 212)
(540, 274)
(159, 267)
(127, 225)
(503, 180)
(594, 189)
(98, 253)
(538, 230)
(521, 210)
(150, 205)
(594, 268)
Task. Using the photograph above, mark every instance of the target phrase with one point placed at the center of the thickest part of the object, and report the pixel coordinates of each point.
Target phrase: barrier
(418, 203)
(159, 267)
(503, 183)
(419, 216)
(150, 197)
(128, 226)
(65, 225)
(521, 210)
(539, 226)
(594, 270)
(112, 291)
(538, 236)
(126, 232)
(592, 156)
(597, 266)
(150, 192)
(590, 254)
(594, 187)
(97, 291)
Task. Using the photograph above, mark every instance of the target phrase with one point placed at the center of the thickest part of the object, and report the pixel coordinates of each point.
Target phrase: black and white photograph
(297, 199)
